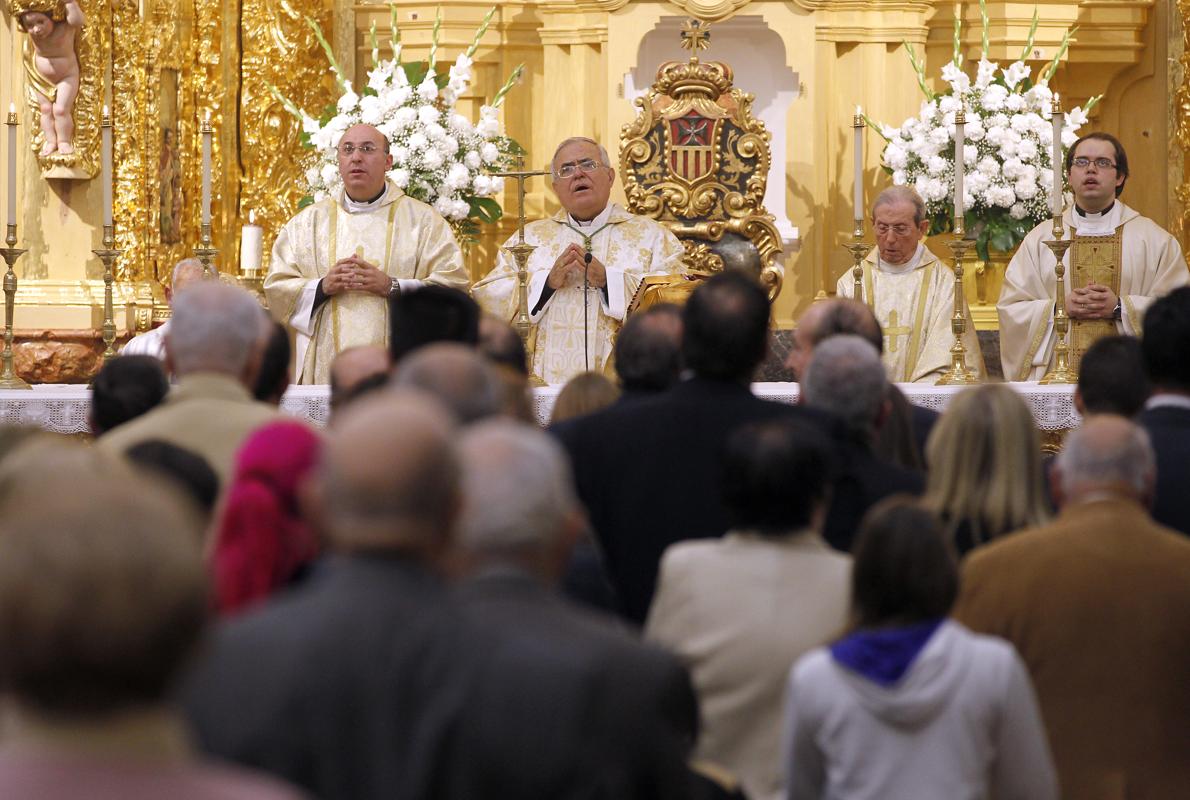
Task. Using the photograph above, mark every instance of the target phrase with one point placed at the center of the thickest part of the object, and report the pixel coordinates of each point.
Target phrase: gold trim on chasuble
(1093, 259)
(332, 252)
(918, 317)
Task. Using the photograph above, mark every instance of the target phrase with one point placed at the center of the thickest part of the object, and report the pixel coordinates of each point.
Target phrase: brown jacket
(1098, 605)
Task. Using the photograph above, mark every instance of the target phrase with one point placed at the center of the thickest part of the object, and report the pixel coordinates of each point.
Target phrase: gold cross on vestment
(892, 332)
(695, 36)
(1100, 265)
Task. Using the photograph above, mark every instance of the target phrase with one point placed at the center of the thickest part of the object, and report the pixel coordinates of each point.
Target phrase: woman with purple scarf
(909, 704)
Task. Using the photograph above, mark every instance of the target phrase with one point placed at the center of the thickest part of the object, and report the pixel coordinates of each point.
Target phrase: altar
(62, 408)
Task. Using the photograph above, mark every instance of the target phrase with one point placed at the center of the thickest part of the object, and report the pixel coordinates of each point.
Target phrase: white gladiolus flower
(472, 160)
(895, 156)
(400, 177)
(348, 102)
(482, 185)
(312, 175)
(457, 177)
(1075, 119)
(1016, 72)
(488, 128)
(994, 97)
(497, 185)
(371, 110)
(898, 177)
(984, 73)
(329, 173)
(1015, 102)
(957, 79)
(1069, 137)
(310, 125)
(489, 153)
(948, 105)
(427, 90)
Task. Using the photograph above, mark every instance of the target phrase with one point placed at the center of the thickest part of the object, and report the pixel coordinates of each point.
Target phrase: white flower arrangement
(1007, 149)
(439, 156)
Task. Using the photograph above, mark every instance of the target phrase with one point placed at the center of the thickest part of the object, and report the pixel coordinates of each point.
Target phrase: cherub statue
(52, 26)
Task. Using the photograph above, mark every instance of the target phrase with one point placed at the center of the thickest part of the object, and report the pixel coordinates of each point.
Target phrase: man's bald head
(186, 272)
(389, 478)
(833, 317)
(354, 368)
(457, 376)
(1107, 454)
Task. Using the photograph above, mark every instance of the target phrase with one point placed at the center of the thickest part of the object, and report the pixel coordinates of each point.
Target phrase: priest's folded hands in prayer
(355, 274)
(569, 269)
(1093, 301)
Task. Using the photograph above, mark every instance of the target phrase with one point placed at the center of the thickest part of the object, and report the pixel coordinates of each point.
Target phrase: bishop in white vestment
(336, 263)
(590, 259)
(1122, 262)
(911, 292)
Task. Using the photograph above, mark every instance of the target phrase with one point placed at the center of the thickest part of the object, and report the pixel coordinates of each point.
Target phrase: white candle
(206, 169)
(12, 164)
(858, 124)
(106, 127)
(1059, 119)
(251, 244)
(959, 141)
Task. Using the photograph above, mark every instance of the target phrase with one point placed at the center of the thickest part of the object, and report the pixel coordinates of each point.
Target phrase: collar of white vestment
(1168, 400)
(900, 269)
(390, 194)
(1101, 224)
(612, 214)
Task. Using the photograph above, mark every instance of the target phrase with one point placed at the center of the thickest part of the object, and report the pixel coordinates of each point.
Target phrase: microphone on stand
(586, 290)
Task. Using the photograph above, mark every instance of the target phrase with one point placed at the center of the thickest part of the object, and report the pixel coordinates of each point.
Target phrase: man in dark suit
(846, 379)
(1097, 603)
(1166, 415)
(568, 704)
(649, 472)
(349, 685)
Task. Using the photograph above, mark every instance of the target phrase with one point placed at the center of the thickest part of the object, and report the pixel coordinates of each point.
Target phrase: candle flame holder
(107, 254)
(1061, 372)
(8, 376)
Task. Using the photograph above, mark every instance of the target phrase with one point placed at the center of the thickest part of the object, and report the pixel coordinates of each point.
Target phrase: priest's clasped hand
(1093, 301)
(568, 270)
(353, 274)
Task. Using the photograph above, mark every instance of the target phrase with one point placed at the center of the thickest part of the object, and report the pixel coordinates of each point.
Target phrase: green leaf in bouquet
(304, 138)
(415, 72)
(484, 209)
(368, 91)
(308, 200)
(981, 245)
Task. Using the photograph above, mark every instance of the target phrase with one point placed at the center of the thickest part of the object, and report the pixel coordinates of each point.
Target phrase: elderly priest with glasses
(1118, 264)
(911, 292)
(590, 259)
(337, 262)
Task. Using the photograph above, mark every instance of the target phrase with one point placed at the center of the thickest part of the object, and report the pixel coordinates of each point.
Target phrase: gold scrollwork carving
(1182, 105)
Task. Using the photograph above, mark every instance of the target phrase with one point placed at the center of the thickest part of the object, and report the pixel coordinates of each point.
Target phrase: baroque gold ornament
(697, 160)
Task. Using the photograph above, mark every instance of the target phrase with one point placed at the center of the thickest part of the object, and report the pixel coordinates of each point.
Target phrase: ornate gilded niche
(697, 160)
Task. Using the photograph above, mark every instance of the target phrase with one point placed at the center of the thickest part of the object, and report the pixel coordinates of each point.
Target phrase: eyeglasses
(1082, 162)
(367, 148)
(898, 230)
(587, 165)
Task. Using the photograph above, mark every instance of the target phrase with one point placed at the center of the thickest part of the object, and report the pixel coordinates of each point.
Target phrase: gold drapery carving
(1181, 111)
(279, 49)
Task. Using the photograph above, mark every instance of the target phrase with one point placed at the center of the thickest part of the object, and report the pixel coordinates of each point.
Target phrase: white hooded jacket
(961, 724)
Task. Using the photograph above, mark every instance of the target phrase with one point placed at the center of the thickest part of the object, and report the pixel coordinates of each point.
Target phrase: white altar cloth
(62, 408)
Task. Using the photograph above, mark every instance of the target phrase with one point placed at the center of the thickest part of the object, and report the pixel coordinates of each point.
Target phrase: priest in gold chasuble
(911, 292)
(1118, 263)
(337, 262)
(589, 238)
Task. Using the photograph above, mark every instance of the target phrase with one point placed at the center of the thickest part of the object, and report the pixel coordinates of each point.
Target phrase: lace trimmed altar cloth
(63, 408)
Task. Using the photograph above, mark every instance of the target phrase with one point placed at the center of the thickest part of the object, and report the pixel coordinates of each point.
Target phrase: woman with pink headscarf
(263, 543)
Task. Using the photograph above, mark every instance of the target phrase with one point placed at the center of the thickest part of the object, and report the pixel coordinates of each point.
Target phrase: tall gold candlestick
(1061, 372)
(859, 250)
(8, 376)
(521, 251)
(107, 254)
(959, 374)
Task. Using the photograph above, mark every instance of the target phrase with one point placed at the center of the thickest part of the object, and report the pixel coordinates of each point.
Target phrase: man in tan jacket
(1097, 604)
(213, 348)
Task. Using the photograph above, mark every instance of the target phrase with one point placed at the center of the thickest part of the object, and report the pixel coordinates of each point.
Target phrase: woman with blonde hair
(585, 393)
(985, 476)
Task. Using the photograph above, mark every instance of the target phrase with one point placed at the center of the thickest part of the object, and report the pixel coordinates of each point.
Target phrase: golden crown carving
(54, 9)
(694, 77)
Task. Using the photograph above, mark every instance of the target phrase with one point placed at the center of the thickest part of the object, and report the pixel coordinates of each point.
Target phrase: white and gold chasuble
(629, 247)
(914, 303)
(404, 237)
(1146, 263)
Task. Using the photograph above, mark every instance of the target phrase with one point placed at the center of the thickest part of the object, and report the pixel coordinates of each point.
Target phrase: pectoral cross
(892, 332)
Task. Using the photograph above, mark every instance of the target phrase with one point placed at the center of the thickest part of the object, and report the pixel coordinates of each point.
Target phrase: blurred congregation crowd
(676, 590)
